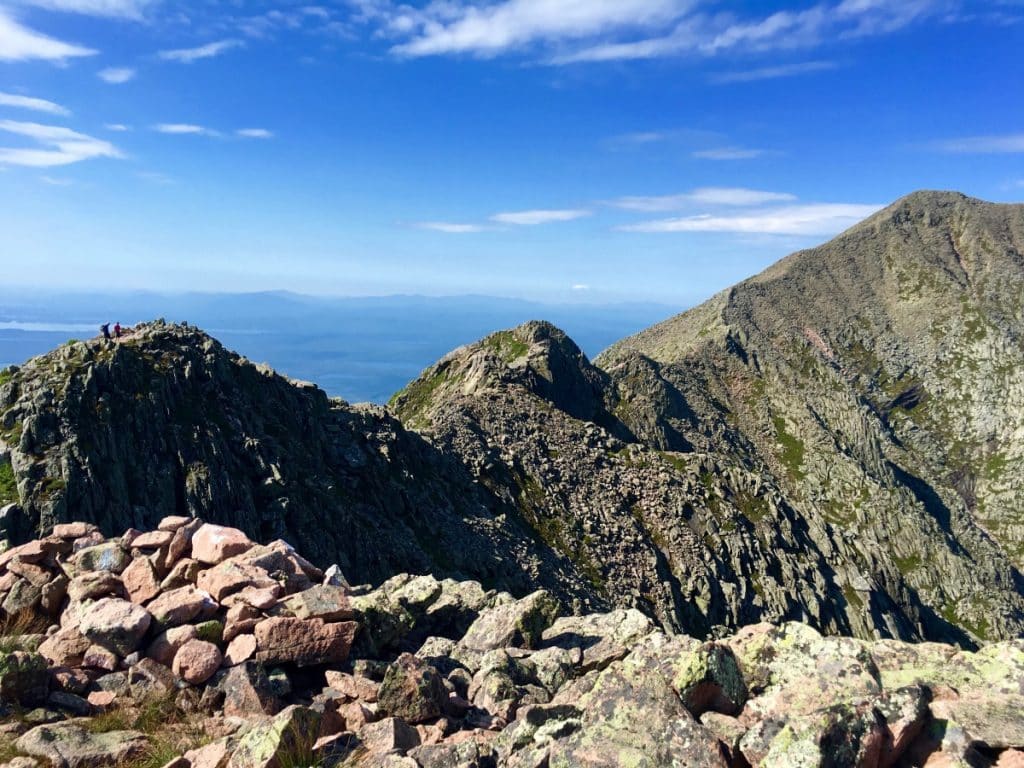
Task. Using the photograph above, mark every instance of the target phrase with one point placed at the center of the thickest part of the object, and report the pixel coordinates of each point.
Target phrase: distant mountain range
(838, 440)
(362, 349)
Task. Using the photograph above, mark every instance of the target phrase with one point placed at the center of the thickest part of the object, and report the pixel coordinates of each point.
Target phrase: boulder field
(279, 664)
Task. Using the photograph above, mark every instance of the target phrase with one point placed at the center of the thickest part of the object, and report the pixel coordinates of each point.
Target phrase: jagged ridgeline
(837, 440)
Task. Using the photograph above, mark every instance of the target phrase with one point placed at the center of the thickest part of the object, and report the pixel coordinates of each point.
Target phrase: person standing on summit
(106, 331)
(117, 330)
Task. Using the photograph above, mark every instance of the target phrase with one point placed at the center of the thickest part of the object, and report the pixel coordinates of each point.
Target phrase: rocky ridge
(191, 646)
(168, 422)
(833, 441)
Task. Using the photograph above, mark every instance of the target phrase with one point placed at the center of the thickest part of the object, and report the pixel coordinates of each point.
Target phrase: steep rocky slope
(167, 422)
(836, 440)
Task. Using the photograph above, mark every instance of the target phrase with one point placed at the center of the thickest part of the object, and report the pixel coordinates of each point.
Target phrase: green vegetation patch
(415, 399)
(505, 345)
(6, 375)
(8, 483)
(792, 455)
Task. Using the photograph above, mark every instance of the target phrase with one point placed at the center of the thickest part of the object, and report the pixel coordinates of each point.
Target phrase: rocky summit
(192, 646)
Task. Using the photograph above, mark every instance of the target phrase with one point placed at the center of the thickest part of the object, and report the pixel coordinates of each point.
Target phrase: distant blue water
(359, 349)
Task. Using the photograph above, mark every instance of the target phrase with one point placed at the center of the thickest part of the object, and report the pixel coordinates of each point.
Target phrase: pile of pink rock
(285, 665)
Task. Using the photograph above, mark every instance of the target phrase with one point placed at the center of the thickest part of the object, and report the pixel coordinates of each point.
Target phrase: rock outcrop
(431, 674)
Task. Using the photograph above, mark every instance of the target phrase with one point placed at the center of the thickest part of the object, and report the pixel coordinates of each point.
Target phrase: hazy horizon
(361, 349)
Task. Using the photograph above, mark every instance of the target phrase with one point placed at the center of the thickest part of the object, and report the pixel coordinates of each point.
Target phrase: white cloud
(61, 146)
(18, 43)
(189, 55)
(983, 145)
(771, 73)
(731, 196)
(116, 75)
(567, 31)
(533, 218)
(486, 31)
(117, 127)
(56, 182)
(810, 219)
(127, 9)
(580, 287)
(27, 102)
(254, 133)
(450, 228)
(728, 153)
(183, 129)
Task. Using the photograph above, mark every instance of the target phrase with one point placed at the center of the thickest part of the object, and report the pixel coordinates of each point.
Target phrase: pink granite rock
(216, 543)
(196, 661)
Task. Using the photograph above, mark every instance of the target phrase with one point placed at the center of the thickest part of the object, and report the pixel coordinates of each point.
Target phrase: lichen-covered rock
(291, 733)
(602, 637)
(68, 745)
(248, 691)
(709, 678)
(412, 690)
(520, 624)
(24, 678)
(631, 716)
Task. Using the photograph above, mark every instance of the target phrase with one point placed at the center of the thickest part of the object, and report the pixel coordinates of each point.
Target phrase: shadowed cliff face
(169, 422)
(836, 441)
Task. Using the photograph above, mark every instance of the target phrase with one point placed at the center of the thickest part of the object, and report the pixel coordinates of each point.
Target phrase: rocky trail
(191, 646)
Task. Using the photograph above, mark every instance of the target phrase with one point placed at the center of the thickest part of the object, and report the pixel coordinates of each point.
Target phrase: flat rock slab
(216, 543)
(325, 602)
(303, 642)
(67, 745)
(116, 624)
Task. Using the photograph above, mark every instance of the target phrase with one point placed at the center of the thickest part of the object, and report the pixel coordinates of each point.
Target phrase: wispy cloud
(189, 55)
(160, 179)
(183, 129)
(725, 196)
(533, 218)
(254, 133)
(813, 219)
(60, 146)
(56, 182)
(772, 73)
(19, 43)
(27, 102)
(580, 287)
(442, 28)
(573, 31)
(116, 75)
(728, 153)
(450, 228)
(117, 127)
(1012, 143)
(125, 9)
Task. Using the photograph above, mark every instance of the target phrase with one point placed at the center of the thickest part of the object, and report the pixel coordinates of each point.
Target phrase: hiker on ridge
(117, 330)
(106, 331)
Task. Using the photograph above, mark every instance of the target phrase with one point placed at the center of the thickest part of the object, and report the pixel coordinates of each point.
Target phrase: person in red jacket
(117, 330)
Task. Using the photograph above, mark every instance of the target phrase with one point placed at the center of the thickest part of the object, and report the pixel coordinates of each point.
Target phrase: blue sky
(567, 150)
